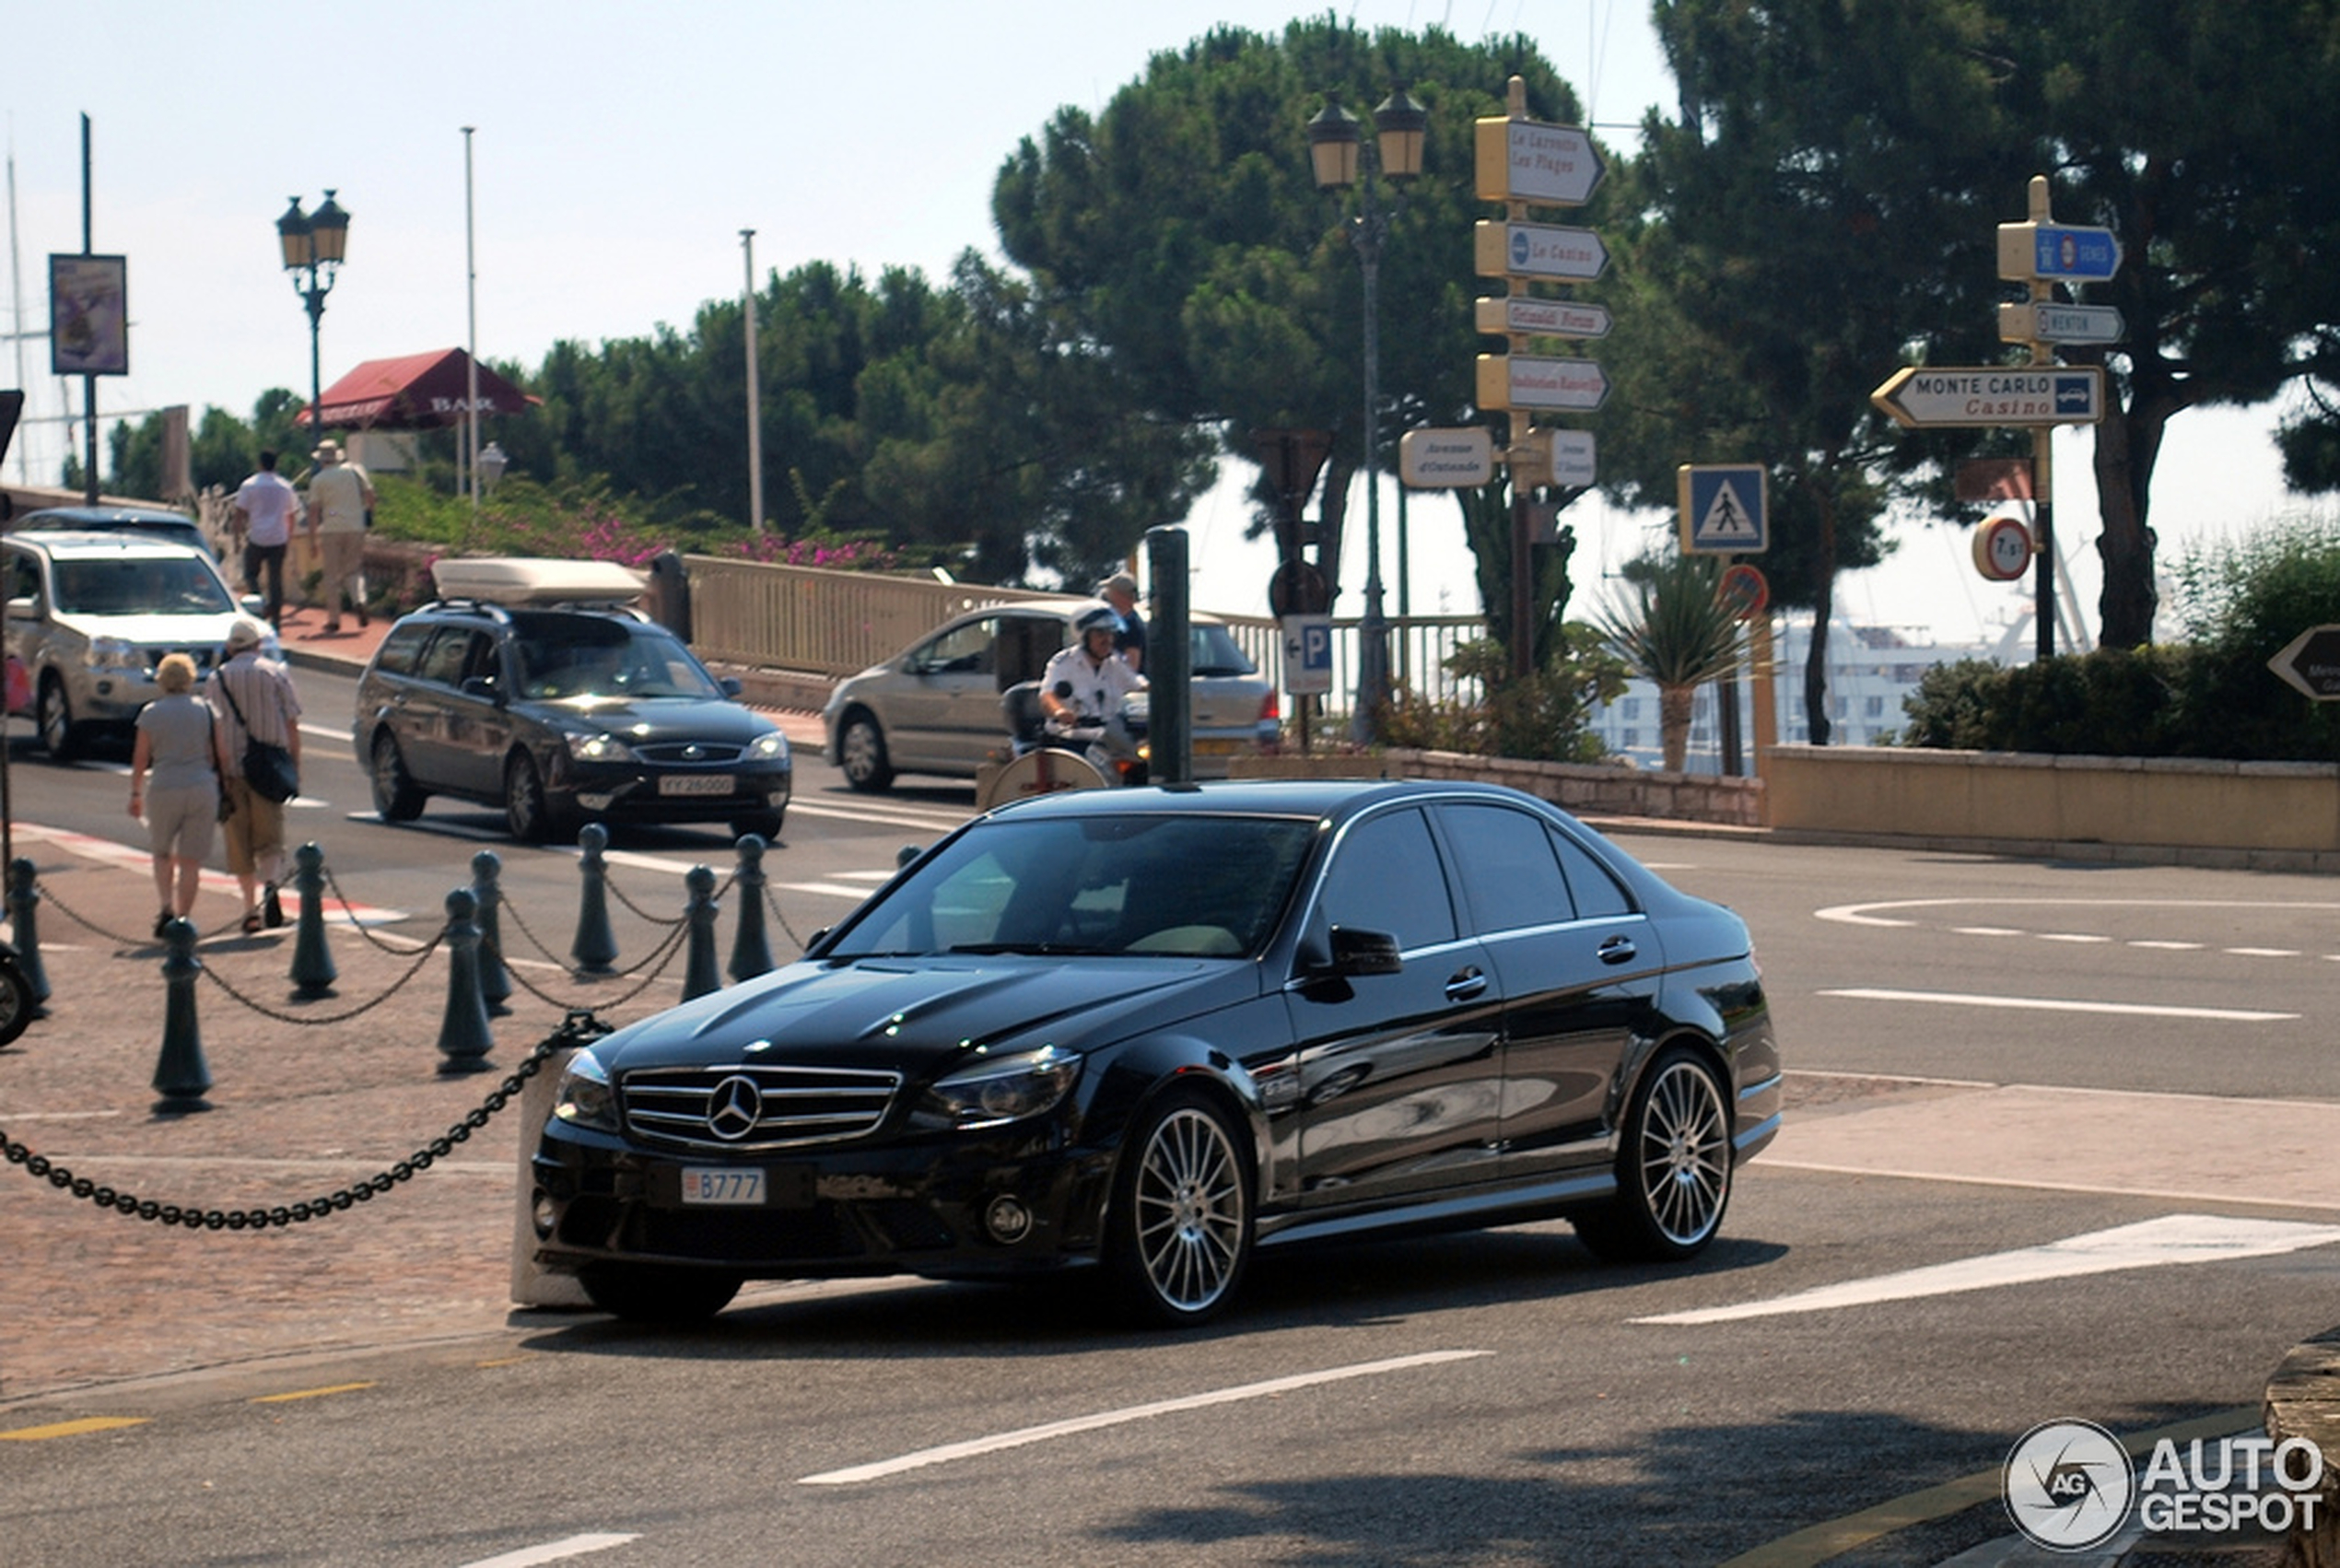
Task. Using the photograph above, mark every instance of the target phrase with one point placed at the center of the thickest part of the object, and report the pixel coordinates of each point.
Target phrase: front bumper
(949, 1207)
(625, 792)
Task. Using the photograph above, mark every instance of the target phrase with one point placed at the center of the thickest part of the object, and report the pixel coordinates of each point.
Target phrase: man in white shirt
(1084, 683)
(265, 508)
(339, 497)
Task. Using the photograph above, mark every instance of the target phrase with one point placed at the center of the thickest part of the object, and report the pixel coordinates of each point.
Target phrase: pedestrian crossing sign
(1722, 509)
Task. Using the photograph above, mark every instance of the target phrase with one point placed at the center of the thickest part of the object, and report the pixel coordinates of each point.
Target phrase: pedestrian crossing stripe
(1722, 509)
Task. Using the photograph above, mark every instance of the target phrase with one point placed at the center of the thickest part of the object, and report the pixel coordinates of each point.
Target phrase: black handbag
(268, 768)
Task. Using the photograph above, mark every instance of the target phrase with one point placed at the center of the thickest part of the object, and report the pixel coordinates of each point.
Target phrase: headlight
(584, 1097)
(112, 654)
(603, 747)
(991, 1091)
(768, 747)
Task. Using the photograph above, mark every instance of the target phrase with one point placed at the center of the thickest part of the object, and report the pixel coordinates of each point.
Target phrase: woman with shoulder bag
(252, 699)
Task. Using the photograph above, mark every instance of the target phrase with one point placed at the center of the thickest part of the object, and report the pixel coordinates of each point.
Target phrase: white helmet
(1095, 616)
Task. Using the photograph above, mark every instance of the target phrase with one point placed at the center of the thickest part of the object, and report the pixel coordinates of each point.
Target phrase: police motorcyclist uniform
(1084, 683)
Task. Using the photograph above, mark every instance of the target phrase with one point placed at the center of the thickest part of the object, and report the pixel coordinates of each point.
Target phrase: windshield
(1216, 653)
(141, 585)
(590, 656)
(1188, 886)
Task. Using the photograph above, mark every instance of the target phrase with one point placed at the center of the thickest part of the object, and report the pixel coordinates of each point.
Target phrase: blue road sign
(1723, 509)
(2061, 250)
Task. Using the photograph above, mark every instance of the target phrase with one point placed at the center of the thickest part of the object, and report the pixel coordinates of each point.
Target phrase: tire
(641, 1293)
(766, 826)
(396, 798)
(528, 814)
(52, 715)
(1179, 1234)
(860, 750)
(1673, 1167)
(17, 1004)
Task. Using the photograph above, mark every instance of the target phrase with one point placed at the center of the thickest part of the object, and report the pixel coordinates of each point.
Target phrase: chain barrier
(349, 913)
(213, 975)
(48, 896)
(577, 1027)
(639, 913)
(774, 905)
(662, 955)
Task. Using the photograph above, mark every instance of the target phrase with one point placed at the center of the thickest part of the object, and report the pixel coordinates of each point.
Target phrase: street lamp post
(1336, 149)
(314, 244)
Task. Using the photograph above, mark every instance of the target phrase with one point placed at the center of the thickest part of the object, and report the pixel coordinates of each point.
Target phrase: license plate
(1221, 748)
(695, 784)
(723, 1186)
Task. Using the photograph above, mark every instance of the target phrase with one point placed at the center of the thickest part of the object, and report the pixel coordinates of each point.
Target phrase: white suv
(90, 617)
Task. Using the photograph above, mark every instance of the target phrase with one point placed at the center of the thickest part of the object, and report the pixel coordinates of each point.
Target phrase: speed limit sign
(2003, 549)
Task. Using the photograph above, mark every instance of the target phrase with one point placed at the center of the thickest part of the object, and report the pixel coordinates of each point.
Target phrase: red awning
(416, 391)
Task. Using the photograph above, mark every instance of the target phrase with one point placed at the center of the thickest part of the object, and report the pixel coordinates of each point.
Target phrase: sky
(618, 150)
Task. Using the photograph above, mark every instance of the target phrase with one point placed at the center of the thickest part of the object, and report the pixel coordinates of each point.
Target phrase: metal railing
(835, 623)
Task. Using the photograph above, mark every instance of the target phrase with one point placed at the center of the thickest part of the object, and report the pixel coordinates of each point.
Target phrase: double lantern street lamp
(314, 244)
(1335, 148)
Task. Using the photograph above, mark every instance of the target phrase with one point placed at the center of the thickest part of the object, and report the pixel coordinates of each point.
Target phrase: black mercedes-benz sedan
(1148, 1032)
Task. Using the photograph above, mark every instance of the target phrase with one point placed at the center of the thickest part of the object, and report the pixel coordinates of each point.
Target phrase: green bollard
(463, 1038)
(494, 980)
(595, 948)
(312, 962)
(698, 965)
(180, 1073)
(22, 898)
(751, 946)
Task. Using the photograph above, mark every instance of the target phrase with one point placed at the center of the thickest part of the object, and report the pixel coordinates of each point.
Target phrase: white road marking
(888, 815)
(2263, 952)
(2071, 936)
(107, 852)
(1858, 913)
(1986, 930)
(2055, 1004)
(2170, 946)
(825, 889)
(975, 1447)
(552, 1552)
(2174, 1238)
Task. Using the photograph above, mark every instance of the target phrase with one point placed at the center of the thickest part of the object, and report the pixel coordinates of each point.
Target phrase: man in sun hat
(1120, 591)
(260, 692)
(340, 497)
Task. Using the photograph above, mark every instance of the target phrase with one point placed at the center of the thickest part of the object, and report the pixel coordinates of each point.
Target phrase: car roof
(70, 544)
(50, 519)
(1263, 797)
(1055, 610)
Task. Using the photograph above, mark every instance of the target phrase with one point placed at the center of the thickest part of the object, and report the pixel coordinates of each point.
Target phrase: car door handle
(1617, 950)
(1466, 985)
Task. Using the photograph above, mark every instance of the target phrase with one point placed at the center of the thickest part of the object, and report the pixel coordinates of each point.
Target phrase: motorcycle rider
(1084, 683)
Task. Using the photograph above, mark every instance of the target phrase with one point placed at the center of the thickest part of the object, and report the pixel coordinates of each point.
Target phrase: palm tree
(1673, 627)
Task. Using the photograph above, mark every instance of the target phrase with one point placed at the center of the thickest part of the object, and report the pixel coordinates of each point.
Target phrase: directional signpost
(2311, 662)
(1522, 160)
(2057, 252)
(1431, 459)
(1529, 316)
(1536, 250)
(1918, 397)
(2045, 322)
(1523, 380)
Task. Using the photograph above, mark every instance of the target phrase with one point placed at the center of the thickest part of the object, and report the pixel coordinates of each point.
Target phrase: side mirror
(253, 604)
(731, 686)
(1363, 953)
(482, 688)
(25, 609)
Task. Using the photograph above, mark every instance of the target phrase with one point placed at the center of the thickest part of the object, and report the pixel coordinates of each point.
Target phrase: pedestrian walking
(252, 698)
(341, 498)
(174, 785)
(266, 508)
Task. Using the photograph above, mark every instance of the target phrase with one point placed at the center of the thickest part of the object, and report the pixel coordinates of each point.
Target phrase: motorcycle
(1047, 754)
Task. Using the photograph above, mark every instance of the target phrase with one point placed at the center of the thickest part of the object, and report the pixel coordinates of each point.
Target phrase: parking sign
(1307, 654)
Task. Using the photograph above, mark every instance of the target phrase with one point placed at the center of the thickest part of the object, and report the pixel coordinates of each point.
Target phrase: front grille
(152, 654)
(691, 754)
(755, 1107)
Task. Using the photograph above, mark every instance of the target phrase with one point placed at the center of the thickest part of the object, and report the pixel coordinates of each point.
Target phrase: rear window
(1216, 653)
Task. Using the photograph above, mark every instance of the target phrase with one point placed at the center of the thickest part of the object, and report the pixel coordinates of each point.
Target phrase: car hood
(203, 630)
(915, 1015)
(653, 719)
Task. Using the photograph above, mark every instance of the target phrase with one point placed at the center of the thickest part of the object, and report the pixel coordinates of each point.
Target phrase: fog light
(1007, 1220)
(543, 1213)
(595, 802)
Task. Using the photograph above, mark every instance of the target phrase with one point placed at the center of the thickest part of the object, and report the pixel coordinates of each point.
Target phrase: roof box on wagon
(528, 579)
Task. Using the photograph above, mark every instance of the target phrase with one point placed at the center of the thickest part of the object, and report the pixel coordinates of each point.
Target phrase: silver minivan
(935, 707)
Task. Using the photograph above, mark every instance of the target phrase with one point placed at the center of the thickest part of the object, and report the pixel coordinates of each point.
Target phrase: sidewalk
(308, 1097)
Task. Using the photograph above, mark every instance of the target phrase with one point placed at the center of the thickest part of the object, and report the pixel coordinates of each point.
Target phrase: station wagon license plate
(695, 784)
(723, 1187)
